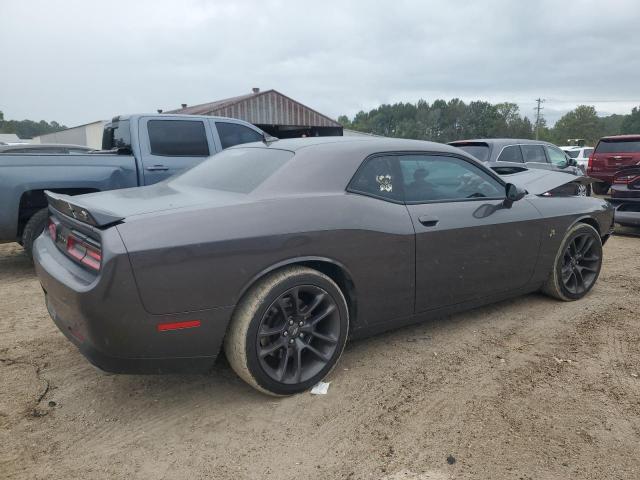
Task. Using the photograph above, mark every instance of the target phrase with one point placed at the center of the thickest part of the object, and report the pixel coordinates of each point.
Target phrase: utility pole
(538, 109)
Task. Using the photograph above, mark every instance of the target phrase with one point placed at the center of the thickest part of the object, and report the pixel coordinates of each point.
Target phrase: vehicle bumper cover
(105, 319)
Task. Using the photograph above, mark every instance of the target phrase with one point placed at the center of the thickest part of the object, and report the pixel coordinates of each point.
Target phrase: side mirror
(572, 162)
(513, 193)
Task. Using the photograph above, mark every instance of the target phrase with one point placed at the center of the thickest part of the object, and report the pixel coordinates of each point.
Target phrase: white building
(89, 134)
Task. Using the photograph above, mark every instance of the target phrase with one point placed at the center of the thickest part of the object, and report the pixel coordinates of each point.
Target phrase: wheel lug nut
(301, 323)
(286, 333)
(290, 322)
(291, 340)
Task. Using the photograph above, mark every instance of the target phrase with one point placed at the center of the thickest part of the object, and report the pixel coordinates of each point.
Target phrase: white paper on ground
(320, 388)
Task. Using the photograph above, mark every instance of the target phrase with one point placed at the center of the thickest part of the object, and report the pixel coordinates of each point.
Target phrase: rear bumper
(104, 317)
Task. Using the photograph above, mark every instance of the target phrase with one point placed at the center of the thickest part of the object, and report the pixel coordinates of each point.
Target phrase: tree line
(28, 128)
(444, 121)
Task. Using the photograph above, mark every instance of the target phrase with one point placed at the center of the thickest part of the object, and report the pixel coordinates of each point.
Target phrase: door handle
(157, 168)
(428, 220)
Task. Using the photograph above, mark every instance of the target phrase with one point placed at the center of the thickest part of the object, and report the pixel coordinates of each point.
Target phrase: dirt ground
(529, 388)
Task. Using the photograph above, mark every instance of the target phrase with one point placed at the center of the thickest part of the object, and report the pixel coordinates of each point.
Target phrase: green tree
(631, 123)
(582, 122)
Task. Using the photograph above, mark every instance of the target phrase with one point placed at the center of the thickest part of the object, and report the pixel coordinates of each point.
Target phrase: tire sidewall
(253, 363)
(574, 232)
(33, 229)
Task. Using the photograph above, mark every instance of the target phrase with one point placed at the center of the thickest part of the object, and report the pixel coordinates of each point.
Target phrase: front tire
(577, 264)
(288, 332)
(33, 229)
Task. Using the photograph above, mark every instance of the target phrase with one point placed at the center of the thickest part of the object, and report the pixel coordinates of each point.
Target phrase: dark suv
(611, 155)
(507, 155)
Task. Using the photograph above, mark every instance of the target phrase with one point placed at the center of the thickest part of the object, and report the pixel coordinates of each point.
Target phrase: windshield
(573, 153)
(239, 170)
(618, 146)
(478, 150)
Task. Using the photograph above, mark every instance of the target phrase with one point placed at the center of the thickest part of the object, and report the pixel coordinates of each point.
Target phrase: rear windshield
(478, 150)
(239, 170)
(573, 153)
(618, 146)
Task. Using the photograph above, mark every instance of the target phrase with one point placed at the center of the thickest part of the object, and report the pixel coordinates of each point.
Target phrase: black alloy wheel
(298, 334)
(581, 263)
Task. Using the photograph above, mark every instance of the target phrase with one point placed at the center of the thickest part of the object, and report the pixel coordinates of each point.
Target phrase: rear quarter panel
(203, 258)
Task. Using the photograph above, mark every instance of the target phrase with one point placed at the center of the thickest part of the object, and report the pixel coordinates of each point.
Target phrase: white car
(580, 154)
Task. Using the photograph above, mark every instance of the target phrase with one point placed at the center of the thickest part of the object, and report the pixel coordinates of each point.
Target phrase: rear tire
(600, 188)
(577, 264)
(33, 229)
(282, 346)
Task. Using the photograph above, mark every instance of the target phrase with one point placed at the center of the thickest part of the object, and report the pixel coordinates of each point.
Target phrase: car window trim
(476, 163)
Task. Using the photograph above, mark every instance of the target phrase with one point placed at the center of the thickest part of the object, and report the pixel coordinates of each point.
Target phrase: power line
(538, 109)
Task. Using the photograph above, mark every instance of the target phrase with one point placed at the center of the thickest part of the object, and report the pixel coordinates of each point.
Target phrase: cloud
(77, 61)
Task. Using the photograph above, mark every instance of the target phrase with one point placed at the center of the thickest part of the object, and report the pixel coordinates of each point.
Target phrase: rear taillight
(84, 252)
(590, 164)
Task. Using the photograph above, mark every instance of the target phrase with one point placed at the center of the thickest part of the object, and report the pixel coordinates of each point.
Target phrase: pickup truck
(136, 150)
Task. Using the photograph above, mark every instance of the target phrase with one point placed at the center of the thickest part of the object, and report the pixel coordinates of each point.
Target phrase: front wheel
(288, 331)
(577, 264)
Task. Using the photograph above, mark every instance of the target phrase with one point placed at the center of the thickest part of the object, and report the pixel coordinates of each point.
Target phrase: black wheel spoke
(297, 368)
(324, 338)
(317, 353)
(270, 331)
(321, 316)
(271, 349)
(579, 278)
(284, 362)
(295, 297)
(316, 303)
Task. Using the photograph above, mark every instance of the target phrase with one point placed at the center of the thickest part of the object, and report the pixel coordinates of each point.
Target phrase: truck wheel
(32, 230)
(577, 264)
(288, 331)
(600, 188)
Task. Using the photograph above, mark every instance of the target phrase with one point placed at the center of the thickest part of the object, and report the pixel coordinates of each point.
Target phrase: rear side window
(512, 153)
(533, 153)
(235, 134)
(116, 135)
(586, 152)
(239, 170)
(618, 146)
(378, 178)
(478, 150)
(178, 138)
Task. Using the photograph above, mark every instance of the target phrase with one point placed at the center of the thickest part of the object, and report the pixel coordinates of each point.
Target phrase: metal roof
(262, 108)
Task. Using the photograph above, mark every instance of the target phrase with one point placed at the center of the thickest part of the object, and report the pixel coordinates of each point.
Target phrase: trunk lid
(103, 209)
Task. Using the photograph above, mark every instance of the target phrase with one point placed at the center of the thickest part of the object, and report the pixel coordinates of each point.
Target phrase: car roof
(621, 137)
(327, 164)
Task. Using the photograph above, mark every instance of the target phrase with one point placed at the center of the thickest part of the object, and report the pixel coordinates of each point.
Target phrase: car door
(469, 245)
(173, 145)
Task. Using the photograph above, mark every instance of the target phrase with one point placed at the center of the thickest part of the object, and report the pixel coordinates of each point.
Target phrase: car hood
(538, 182)
(105, 208)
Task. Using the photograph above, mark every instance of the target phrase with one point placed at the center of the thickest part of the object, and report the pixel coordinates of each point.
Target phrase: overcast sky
(79, 61)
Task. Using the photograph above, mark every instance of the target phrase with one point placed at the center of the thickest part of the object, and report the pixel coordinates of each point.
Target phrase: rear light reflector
(165, 327)
(590, 164)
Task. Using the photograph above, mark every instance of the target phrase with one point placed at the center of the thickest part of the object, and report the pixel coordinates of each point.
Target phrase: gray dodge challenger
(277, 251)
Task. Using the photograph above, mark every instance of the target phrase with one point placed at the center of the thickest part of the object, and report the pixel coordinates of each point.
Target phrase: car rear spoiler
(72, 207)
